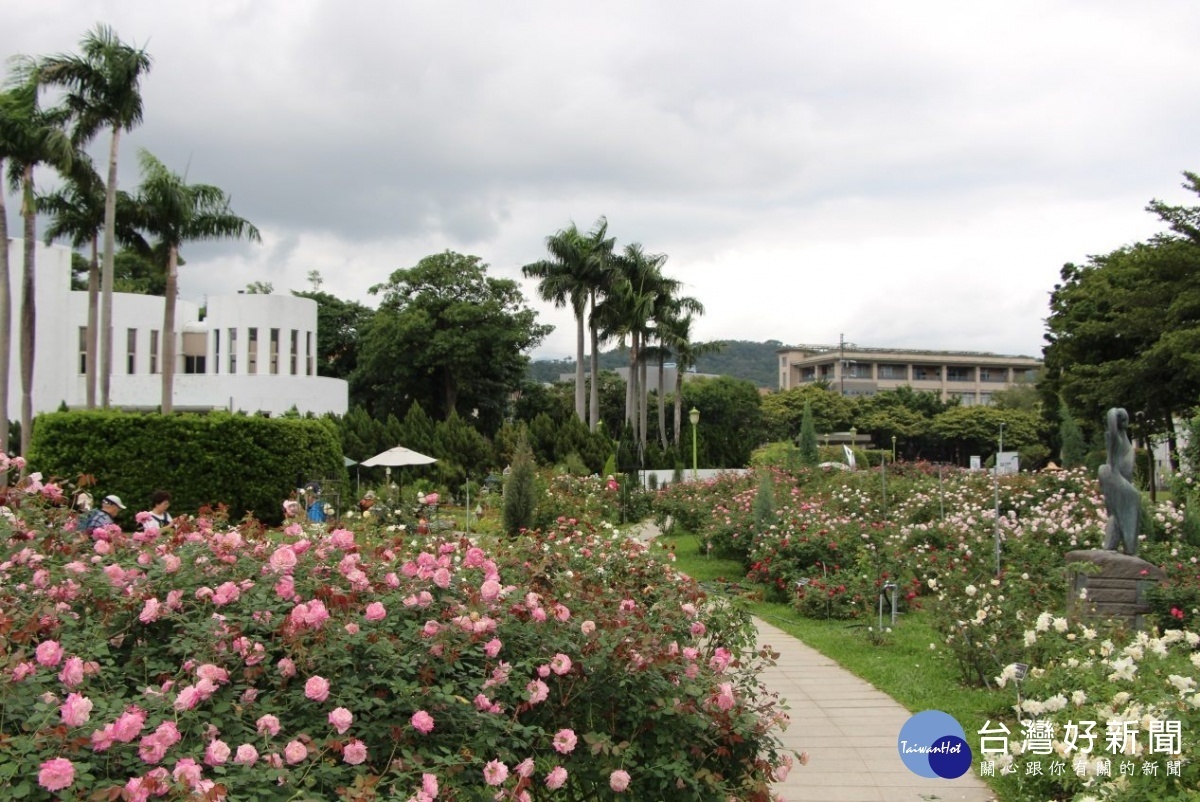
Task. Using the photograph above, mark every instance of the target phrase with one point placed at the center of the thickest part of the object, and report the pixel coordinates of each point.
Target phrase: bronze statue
(1121, 498)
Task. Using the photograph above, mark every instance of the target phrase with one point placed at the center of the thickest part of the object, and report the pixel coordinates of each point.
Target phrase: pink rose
(441, 578)
(217, 752)
(268, 725)
(556, 778)
(376, 611)
(564, 741)
(72, 672)
(725, 698)
(538, 691)
(492, 647)
(524, 768)
(50, 654)
(495, 773)
(287, 668)
(149, 611)
(618, 780)
(76, 710)
(283, 560)
(490, 590)
(129, 725)
(187, 772)
(587, 627)
(341, 719)
(429, 784)
(317, 688)
(295, 752)
(422, 722)
(246, 755)
(560, 664)
(56, 774)
(354, 752)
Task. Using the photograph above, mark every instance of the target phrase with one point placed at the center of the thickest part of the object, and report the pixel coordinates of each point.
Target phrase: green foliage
(756, 362)
(1074, 447)
(248, 463)
(520, 490)
(764, 502)
(730, 420)
(809, 455)
(976, 430)
(448, 336)
(341, 325)
(783, 412)
(461, 451)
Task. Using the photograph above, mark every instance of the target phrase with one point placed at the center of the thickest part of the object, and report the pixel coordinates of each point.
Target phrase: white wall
(61, 313)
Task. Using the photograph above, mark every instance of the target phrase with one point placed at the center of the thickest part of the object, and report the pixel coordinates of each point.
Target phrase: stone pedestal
(1117, 590)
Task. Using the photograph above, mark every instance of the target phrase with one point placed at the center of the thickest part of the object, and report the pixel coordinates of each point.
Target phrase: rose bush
(223, 661)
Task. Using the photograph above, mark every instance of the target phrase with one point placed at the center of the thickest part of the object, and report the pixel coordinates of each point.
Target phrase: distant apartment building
(241, 352)
(970, 377)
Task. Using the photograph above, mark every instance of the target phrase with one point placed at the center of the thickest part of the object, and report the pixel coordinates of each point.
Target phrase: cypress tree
(1074, 447)
(810, 456)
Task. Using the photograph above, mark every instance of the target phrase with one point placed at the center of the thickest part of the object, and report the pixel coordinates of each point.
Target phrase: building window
(193, 364)
(985, 399)
(274, 351)
(154, 350)
(927, 373)
(295, 349)
(957, 374)
(233, 350)
(131, 351)
(893, 372)
(808, 374)
(856, 370)
(82, 349)
(252, 351)
(308, 353)
(993, 374)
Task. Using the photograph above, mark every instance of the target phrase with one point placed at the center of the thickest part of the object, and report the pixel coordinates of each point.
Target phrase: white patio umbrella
(397, 456)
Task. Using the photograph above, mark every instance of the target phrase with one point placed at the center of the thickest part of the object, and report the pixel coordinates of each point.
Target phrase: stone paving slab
(849, 730)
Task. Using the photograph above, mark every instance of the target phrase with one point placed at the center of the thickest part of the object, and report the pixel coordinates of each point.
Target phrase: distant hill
(741, 359)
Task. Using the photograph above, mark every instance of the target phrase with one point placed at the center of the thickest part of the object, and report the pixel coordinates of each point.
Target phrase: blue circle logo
(933, 744)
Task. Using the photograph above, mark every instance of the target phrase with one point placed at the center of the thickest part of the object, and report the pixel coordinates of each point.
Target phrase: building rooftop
(837, 349)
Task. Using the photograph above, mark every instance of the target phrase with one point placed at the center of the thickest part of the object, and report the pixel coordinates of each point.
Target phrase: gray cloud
(882, 169)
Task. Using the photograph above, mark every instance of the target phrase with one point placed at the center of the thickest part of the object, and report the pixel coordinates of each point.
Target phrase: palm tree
(626, 312)
(29, 137)
(668, 312)
(564, 280)
(77, 215)
(677, 333)
(174, 212)
(601, 276)
(103, 91)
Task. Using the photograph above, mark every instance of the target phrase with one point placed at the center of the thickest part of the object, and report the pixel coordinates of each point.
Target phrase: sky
(901, 174)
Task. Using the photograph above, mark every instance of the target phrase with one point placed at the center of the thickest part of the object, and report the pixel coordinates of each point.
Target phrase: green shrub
(520, 502)
(248, 463)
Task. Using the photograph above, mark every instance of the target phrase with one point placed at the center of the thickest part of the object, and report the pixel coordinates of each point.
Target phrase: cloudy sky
(908, 174)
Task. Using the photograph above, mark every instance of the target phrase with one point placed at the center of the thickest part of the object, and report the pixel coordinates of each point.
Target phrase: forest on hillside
(742, 359)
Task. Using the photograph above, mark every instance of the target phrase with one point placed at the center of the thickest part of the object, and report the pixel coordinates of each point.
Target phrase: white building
(249, 353)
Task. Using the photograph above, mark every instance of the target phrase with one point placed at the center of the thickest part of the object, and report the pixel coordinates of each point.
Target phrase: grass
(902, 665)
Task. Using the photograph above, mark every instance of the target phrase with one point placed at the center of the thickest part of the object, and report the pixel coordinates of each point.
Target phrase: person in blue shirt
(316, 508)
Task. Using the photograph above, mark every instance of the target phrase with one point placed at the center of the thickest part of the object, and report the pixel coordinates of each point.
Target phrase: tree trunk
(678, 403)
(662, 404)
(106, 304)
(643, 405)
(92, 322)
(5, 328)
(631, 386)
(28, 310)
(594, 398)
(580, 386)
(168, 335)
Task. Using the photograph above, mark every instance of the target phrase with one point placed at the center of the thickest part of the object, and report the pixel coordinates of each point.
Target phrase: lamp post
(893, 449)
(694, 417)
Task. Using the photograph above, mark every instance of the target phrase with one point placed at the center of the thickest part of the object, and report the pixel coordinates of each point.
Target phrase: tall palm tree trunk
(644, 404)
(168, 341)
(93, 329)
(631, 386)
(594, 396)
(28, 310)
(678, 402)
(580, 385)
(5, 327)
(662, 404)
(106, 304)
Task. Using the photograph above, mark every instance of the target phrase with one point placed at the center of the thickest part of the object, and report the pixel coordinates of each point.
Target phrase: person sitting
(110, 508)
(315, 507)
(158, 517)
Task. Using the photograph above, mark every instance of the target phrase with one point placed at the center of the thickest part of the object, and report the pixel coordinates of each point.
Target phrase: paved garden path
(848, 728)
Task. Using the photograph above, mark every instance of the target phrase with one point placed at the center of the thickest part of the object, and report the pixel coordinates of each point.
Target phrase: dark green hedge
(248, 463)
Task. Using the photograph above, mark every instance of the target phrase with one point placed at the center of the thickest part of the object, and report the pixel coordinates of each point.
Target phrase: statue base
(1117, 590)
